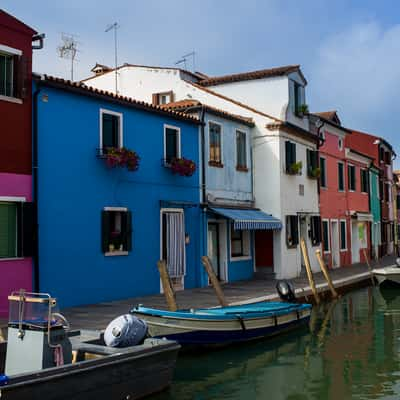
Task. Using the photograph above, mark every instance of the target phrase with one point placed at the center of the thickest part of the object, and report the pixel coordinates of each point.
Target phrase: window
(351, 176)
(240, 243)
(340, 177)
(6, 75)
(241, 153)
(17, 229)
(290, 157)
(292, 230)
(381, 192)
(315, 231)
(172, 143)
(387, 157)
(343, 238)
(322, 165)
(388, 197)
(312, 163)
(215, 158)
(325, 235)
(162, 98)
(364, 180)
(116, 231)
(340, 144)
(110, 129)
(298, 98)
(381, 154)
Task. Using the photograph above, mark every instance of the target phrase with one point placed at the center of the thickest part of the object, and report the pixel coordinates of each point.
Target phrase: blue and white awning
(249, 219)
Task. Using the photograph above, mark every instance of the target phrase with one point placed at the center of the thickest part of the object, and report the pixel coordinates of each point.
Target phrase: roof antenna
(68, 49)
(114, 26)
(185, 58)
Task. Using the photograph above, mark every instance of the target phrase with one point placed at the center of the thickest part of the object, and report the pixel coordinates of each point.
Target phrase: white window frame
(236, 152)
(13, 199)
(221, 141)
(329, 236)
(117, 252)
(121, 127)
(326, 175)
(340, 235)
(246, 245)
(178, 129)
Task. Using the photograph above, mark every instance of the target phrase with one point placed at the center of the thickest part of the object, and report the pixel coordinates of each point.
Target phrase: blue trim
(249, 219)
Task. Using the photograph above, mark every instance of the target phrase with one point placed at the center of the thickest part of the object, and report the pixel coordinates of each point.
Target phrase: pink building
(16, 208)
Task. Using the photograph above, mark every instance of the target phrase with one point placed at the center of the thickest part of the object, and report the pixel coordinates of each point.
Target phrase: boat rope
(240, 319)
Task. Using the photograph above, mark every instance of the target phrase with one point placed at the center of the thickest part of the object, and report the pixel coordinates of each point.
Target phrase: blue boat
(224, 325)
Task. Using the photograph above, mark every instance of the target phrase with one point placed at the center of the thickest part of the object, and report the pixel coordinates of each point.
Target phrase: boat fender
(126, 330)
(3, 380)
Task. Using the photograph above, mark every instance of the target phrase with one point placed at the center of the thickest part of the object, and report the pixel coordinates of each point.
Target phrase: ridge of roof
(251, 75)
(195, 104)
(91, 91)
(238, 103)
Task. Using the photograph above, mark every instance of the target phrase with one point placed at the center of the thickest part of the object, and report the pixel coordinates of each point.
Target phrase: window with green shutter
(313, 170)
(343, 239)
(8, 230)
(351, 176)
(325, 236)
(364, 180)
(6, 75)
(290, 157)
(322, 165)
(340, 177)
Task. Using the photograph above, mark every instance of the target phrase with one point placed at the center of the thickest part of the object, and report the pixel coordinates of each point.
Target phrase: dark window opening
(171, 144)
(325, 235)
(116, 231)
(110, 130)
(351, 176)
(343, 242)
(322, 163)
(364, 180)
(315, 225)
(340, 177)
(292, 230)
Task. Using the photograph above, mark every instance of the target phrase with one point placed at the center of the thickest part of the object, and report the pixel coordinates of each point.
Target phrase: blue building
(103, 222)
(229, 218)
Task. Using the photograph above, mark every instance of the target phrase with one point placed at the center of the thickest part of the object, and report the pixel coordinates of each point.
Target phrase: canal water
(349, 351)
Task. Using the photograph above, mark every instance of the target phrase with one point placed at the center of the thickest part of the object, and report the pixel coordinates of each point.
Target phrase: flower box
(121, 158)
(182, 166)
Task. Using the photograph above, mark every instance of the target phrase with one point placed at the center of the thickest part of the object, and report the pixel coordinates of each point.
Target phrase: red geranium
(183, 166)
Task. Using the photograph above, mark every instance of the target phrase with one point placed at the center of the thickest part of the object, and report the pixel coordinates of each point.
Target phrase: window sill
(342, 250)
(242, 169)
(240, 258)
(12, 259)
(11, 99)
(215, 164)
(116, 253)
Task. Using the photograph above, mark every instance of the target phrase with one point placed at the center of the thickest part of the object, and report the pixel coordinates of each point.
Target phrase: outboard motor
(285, 290)
(37, 336)
(126, 330)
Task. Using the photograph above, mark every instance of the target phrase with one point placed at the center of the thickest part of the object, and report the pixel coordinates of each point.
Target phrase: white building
(283, 148)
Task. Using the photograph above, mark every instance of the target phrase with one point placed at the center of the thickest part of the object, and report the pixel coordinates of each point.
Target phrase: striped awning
(249, 219)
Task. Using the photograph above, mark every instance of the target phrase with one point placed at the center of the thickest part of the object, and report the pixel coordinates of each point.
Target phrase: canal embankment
(97, 316)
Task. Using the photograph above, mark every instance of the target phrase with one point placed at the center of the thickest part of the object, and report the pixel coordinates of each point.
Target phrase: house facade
(382, 154)
(283, 148)
(16, 246)
(106, 216)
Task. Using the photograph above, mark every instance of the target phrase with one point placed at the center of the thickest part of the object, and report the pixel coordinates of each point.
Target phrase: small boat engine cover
(126, 330)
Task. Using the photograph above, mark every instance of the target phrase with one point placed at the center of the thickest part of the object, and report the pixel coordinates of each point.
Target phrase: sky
(349, 51)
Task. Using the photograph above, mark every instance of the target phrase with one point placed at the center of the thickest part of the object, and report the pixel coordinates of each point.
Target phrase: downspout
(203, 157)
(35, 195)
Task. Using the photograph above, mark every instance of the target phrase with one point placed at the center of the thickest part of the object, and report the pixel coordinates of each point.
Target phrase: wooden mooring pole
(324, 270)
(166, 284)
(309, 271)
(214, 280)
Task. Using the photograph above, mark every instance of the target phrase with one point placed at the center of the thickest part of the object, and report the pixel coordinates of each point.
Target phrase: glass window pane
(110, 130)
(215, 142)
(171, 144)
(9, 76)
(8, 230)
(2, 74)
(342, 235)
(241, 149)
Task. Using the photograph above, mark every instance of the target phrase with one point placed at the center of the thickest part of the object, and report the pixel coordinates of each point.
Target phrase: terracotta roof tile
(88, 90)
(246, 76)
(187, 103)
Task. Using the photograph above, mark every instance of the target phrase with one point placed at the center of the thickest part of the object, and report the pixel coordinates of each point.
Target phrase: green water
(349, 351)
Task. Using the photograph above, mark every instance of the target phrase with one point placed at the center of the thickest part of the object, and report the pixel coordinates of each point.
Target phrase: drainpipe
(35, 196)
(37, 37)
(203, 157)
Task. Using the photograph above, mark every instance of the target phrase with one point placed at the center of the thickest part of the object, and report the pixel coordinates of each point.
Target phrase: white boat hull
(391, 274)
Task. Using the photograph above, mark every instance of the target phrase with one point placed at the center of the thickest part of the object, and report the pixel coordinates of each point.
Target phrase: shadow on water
(349, 351)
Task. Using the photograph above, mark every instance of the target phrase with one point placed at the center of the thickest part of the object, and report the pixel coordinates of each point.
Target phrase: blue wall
(75, 186)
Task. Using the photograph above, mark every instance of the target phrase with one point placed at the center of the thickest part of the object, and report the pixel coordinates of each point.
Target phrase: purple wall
(14, 274)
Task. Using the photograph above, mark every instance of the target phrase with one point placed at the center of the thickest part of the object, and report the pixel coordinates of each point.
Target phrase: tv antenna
(114, 26)
(184, 59)
(68, 49)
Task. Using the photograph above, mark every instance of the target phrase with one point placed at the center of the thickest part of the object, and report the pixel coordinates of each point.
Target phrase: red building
(381, 154)
(15, 156)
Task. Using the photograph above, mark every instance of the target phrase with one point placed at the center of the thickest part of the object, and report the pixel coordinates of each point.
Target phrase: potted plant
(183, 166)
(295, 168)
(122, 158)
(302, 110)
(314, 172)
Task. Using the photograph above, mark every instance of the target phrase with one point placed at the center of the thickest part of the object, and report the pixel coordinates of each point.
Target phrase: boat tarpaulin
(249, 219)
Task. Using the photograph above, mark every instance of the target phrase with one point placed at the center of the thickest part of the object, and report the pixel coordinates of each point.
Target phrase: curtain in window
(175, 238)
(215, 142)
(241, 149)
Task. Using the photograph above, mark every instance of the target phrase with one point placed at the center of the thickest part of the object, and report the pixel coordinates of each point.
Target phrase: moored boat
(388, 274)
(224, 325)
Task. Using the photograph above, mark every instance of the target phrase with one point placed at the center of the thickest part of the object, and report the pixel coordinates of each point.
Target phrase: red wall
(16, 125)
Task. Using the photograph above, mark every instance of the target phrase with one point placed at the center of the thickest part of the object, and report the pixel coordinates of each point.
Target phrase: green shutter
(288, 150)
(8, 230)
(126, 225)
(295, 229)
(105, 230)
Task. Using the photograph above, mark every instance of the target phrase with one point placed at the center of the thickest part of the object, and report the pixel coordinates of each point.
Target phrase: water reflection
(349, 352)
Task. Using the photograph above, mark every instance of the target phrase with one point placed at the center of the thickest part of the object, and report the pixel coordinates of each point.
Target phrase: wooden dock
(97, 316)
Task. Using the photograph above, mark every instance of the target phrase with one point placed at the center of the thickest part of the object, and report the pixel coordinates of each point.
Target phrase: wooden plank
(166, 284)
(214, 280)
(309, 271)
(326, 273)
